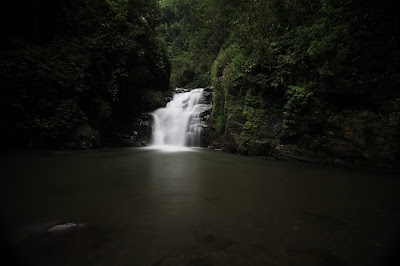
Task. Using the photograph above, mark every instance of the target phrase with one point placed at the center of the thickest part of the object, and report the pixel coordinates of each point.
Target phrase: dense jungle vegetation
(73, 71)
(313, 80)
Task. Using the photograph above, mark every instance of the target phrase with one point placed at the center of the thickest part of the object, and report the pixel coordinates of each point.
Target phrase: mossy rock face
(135, 132)
(363, 136)
(259, 147)
(328, 104)
(272, 129)
(292, 153)
(229, 142)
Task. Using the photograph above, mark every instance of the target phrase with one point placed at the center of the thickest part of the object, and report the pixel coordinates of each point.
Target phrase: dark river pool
(200, 207)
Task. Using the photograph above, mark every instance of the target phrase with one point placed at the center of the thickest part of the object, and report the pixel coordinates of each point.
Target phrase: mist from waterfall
(178, 124)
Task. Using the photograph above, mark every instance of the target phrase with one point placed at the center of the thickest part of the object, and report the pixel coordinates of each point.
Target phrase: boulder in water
(66, 227)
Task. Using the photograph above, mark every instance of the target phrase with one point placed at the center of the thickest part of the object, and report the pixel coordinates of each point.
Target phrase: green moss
(253, 100)
(217, 115)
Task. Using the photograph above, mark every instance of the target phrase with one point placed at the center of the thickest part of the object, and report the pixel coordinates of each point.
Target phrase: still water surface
(196, 207)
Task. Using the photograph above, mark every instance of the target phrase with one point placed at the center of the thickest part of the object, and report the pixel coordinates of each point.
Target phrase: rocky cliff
(347, 115)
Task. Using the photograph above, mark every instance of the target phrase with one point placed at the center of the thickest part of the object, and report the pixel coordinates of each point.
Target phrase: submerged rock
(70, 243)
(66, 227)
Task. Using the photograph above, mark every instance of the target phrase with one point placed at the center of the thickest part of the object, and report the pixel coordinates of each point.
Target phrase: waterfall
(178, 124)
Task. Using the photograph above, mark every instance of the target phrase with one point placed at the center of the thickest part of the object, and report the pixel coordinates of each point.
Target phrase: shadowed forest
(312, 80)
(199, 132)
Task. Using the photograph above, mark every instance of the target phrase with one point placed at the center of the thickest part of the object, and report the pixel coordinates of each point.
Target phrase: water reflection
(174, 182)
(169, 148)
(147, 206)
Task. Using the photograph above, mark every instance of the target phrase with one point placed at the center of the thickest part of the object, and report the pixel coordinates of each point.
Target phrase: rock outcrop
(347, 117)
(205, 115)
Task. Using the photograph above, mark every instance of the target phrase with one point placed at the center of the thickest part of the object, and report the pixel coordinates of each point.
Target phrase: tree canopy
(299, 66)
(100, 61)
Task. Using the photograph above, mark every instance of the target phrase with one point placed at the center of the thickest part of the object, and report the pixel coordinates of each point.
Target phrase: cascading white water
(178, 124)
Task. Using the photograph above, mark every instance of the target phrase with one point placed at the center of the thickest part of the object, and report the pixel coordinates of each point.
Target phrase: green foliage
(219, 124)
(279, 67)
(252, 100)
(194, 31)
(298, 100)
(104, 58)
(288, 51)
(103, 109)
(65, 116)
(254, 112)
(222, 76)
(151, 99)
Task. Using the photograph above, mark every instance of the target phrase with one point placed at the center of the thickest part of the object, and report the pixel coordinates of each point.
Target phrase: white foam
(178, 124)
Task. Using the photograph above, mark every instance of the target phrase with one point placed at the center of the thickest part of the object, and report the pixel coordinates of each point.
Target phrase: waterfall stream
(178, 124)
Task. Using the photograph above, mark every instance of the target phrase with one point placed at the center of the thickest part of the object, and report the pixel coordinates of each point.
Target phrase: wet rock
(272, 129)
(229, 141)
(207, 97)
(66, 227)
(82, 137)
(181, 90)
(60, 244)
(205, 107)
(204, 124)
(291, 153)
(259, 147)
(135, 132)
(209, 89)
